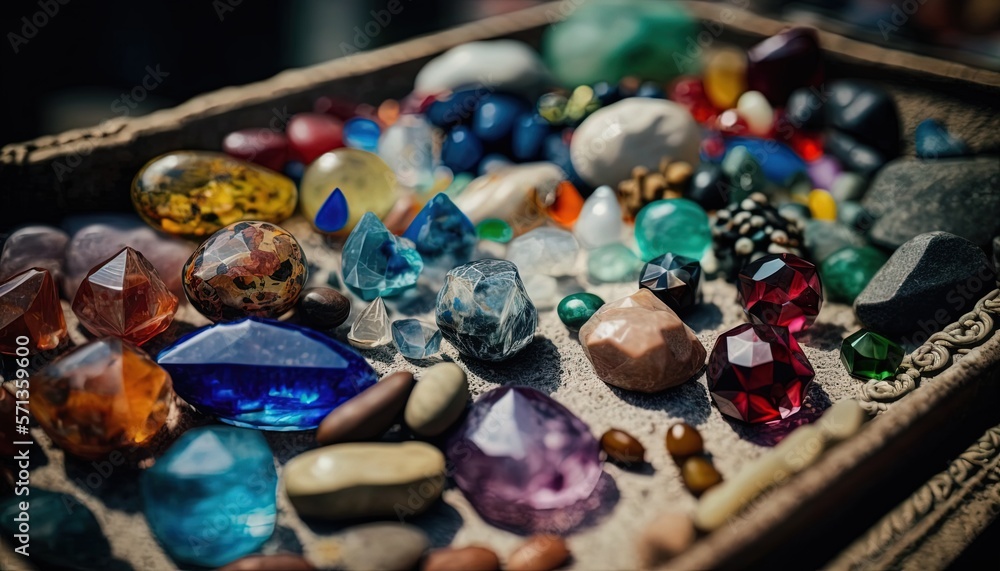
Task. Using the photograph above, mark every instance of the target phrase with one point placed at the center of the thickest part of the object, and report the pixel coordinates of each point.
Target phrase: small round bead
(699, 474)
(622, 447)
(684, 441)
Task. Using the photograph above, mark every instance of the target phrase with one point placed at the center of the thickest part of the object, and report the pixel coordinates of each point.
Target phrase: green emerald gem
(614, 263)
(574, 310)
(870, 356)
(675, 225)
(847, 271)
(494, 230)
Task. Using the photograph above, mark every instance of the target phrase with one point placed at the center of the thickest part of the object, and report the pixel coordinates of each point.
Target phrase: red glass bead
(311, 134)
(783, 63)
(807, 145)
(265, 147)
(781, 289)
(689, 92)
(730, 123)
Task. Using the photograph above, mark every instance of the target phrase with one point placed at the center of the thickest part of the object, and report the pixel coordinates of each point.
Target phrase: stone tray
(879, 499)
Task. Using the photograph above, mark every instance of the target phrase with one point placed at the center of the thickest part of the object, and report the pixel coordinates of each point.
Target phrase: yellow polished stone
(368, 184)
(195, 193)
(822, 205)
(725, 77)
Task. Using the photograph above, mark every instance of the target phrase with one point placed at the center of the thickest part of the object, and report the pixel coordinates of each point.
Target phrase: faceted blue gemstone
(362, 133)
(416, 339)
(778, 161)
(442, 232)
(62, 533)
(265, 374)
(529, 134)
(333, 214)
(461, 150)
(495, 116)
(211, 497)
(377, 263)
(935, 142)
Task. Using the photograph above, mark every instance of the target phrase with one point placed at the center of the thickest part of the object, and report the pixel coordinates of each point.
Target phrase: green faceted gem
(847, 271)
(675, 225)
(744, 172)
(574, 310)
(614, 263)
(494, 230)
(869, 356)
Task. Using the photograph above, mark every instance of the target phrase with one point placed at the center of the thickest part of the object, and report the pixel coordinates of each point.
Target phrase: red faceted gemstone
(125, 297)
(312, 134)
(784, 62)
(29, 308)
(690, 92)
(758, 373)
(265, 147)
(781, 289)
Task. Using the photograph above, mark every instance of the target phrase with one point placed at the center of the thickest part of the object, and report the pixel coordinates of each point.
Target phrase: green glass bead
(847, 271)
(870, 356)
(574, 310)
(675, 225)
(614, 263)
(494, 230)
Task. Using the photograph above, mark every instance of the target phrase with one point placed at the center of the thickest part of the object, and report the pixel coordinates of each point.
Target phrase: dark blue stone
(778, 161)
(294, 170)
(555, 150)
(332, 216)
(935, 142)
(607, 93)
(529, 135)
(651, 90)
(495, 116)
(455, 109)
(63, 533)
(461, 150)
(442, 232)
(265, 374)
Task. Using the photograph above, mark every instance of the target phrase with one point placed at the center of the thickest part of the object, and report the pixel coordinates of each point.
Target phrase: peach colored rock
(637, 343)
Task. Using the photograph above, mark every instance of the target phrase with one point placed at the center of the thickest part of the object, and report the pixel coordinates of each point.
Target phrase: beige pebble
(437, 400)
(539, 553)
(382, 547)
(664, 538)
(472, 558)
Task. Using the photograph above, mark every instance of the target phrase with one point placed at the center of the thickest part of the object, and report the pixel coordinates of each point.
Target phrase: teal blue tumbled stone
(614, 263)
(375, 263)
(59, 532)
(211, 498)
(675, 225)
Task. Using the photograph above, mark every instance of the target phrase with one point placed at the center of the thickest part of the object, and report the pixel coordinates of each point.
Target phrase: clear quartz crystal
(372, 328)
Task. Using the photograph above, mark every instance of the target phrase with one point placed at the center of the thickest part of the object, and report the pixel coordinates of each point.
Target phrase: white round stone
(497, 65)
(756, 111)
(600, 220)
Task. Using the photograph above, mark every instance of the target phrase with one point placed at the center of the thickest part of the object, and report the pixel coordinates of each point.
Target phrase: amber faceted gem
(683, 441)
(29, 308)
(622, 447)
(100, 397)
(699, 474)
(125, 297)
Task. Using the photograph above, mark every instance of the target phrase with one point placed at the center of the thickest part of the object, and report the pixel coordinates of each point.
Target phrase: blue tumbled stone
(333, 214)
(495, 116)
(778, 161)
(442, 232)
(493, 162)
(294, 170)
(362, 133)
(461, 150)
(375, 263)
(455, 109)
(416, 339)
(60, 533)
(484, 310)
(211, 498)
(529, 133)
(556, 150)
(935, 142)
(265, 374)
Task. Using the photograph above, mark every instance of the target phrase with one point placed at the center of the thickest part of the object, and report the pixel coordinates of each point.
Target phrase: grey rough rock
(926, 284)
(823, 238)
(961, 196)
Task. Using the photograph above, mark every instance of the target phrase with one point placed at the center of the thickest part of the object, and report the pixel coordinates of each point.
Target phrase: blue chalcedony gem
(332, 215)
(530, 131)
(935, 142)
(62, 532)
(377, 263)
(416, 339)
(461, 150)
(778, 161)
(265, 374)
(211, 498)
(442, 232)
(362, 133)
(495, 116)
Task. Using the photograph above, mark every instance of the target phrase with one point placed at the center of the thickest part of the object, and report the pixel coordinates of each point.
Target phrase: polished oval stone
(622, 447)
(362, 133)
(683, 440)
(265, 374)
(805, 109)
(195, 193)
(369, 414)
(378, 547)
(323, 308)
(574, 310)
(614, 263)
(823, 238)
(757, 112)
(461, 150)
(710, 187)
(514, 67)
(784, 62)
(867, 113)
(438, 399)
(282, 561)
(494, 230)
(847, 272)
(512, 194)
(664, 538)
(347, 481)
(539, 553)
(367, 182)
(42, 247)
(63, 532)
(450, 108)
(699, 474)
(600, 220)
(471, 558)
(675, 225)
(246, 269)
(822, 206)
(496, 115)
(312, 134)
(211, 497)
(266, 147)
(530, 130)
(725, 77)
(744, 171)
(823, 171)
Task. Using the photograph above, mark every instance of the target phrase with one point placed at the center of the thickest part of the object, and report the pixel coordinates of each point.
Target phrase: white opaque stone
(600, 220)
(407, 147)
(545, 251)
(499, 65)
(511, 194)
(756, 111)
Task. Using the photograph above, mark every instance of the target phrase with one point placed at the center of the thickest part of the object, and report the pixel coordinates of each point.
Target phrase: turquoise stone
(675, 225)
(211, 497)
(377, 264)
(575, 309)
(62, 533)
(265, 374)
(416, 339)
(442, 233)
(362, 133)
(847, 271)
(869, 356)
(333, 214)
(614, 263)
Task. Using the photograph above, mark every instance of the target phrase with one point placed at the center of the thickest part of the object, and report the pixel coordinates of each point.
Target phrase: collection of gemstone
(692, 166)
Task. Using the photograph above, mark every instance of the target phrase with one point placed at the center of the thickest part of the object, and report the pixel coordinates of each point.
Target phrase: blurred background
(70, 63)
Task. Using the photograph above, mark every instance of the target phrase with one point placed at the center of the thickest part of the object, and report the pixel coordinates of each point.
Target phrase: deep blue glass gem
(265, 374)
(530, 131)
(62, 533)
(416, 339)
(935, 142)
(442, 232)
(778, 161)
(461, 150)
(455, 109)
(495, 116)
(332, 216)
(211, 497)
(362, 133)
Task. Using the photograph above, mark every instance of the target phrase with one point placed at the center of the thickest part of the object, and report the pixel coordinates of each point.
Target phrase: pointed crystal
(600, 221)
(371, 329)
(29, 307)
(442, 233)
(376, 263)
(416, 339)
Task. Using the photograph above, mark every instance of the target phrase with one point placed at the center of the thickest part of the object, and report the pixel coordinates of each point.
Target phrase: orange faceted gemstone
(567, 205)
(125, 297)
(29, 307)
(101, 396)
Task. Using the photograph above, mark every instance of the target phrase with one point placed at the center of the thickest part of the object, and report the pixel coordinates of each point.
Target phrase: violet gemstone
(521, 457)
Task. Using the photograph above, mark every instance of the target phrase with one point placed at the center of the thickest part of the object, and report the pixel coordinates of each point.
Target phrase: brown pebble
(622, 447)
(283, 561)
(699, 474)
(539, 553)
(369, 414)
(472, 558)
(323, 308)
(664, 538)
(683, 440)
